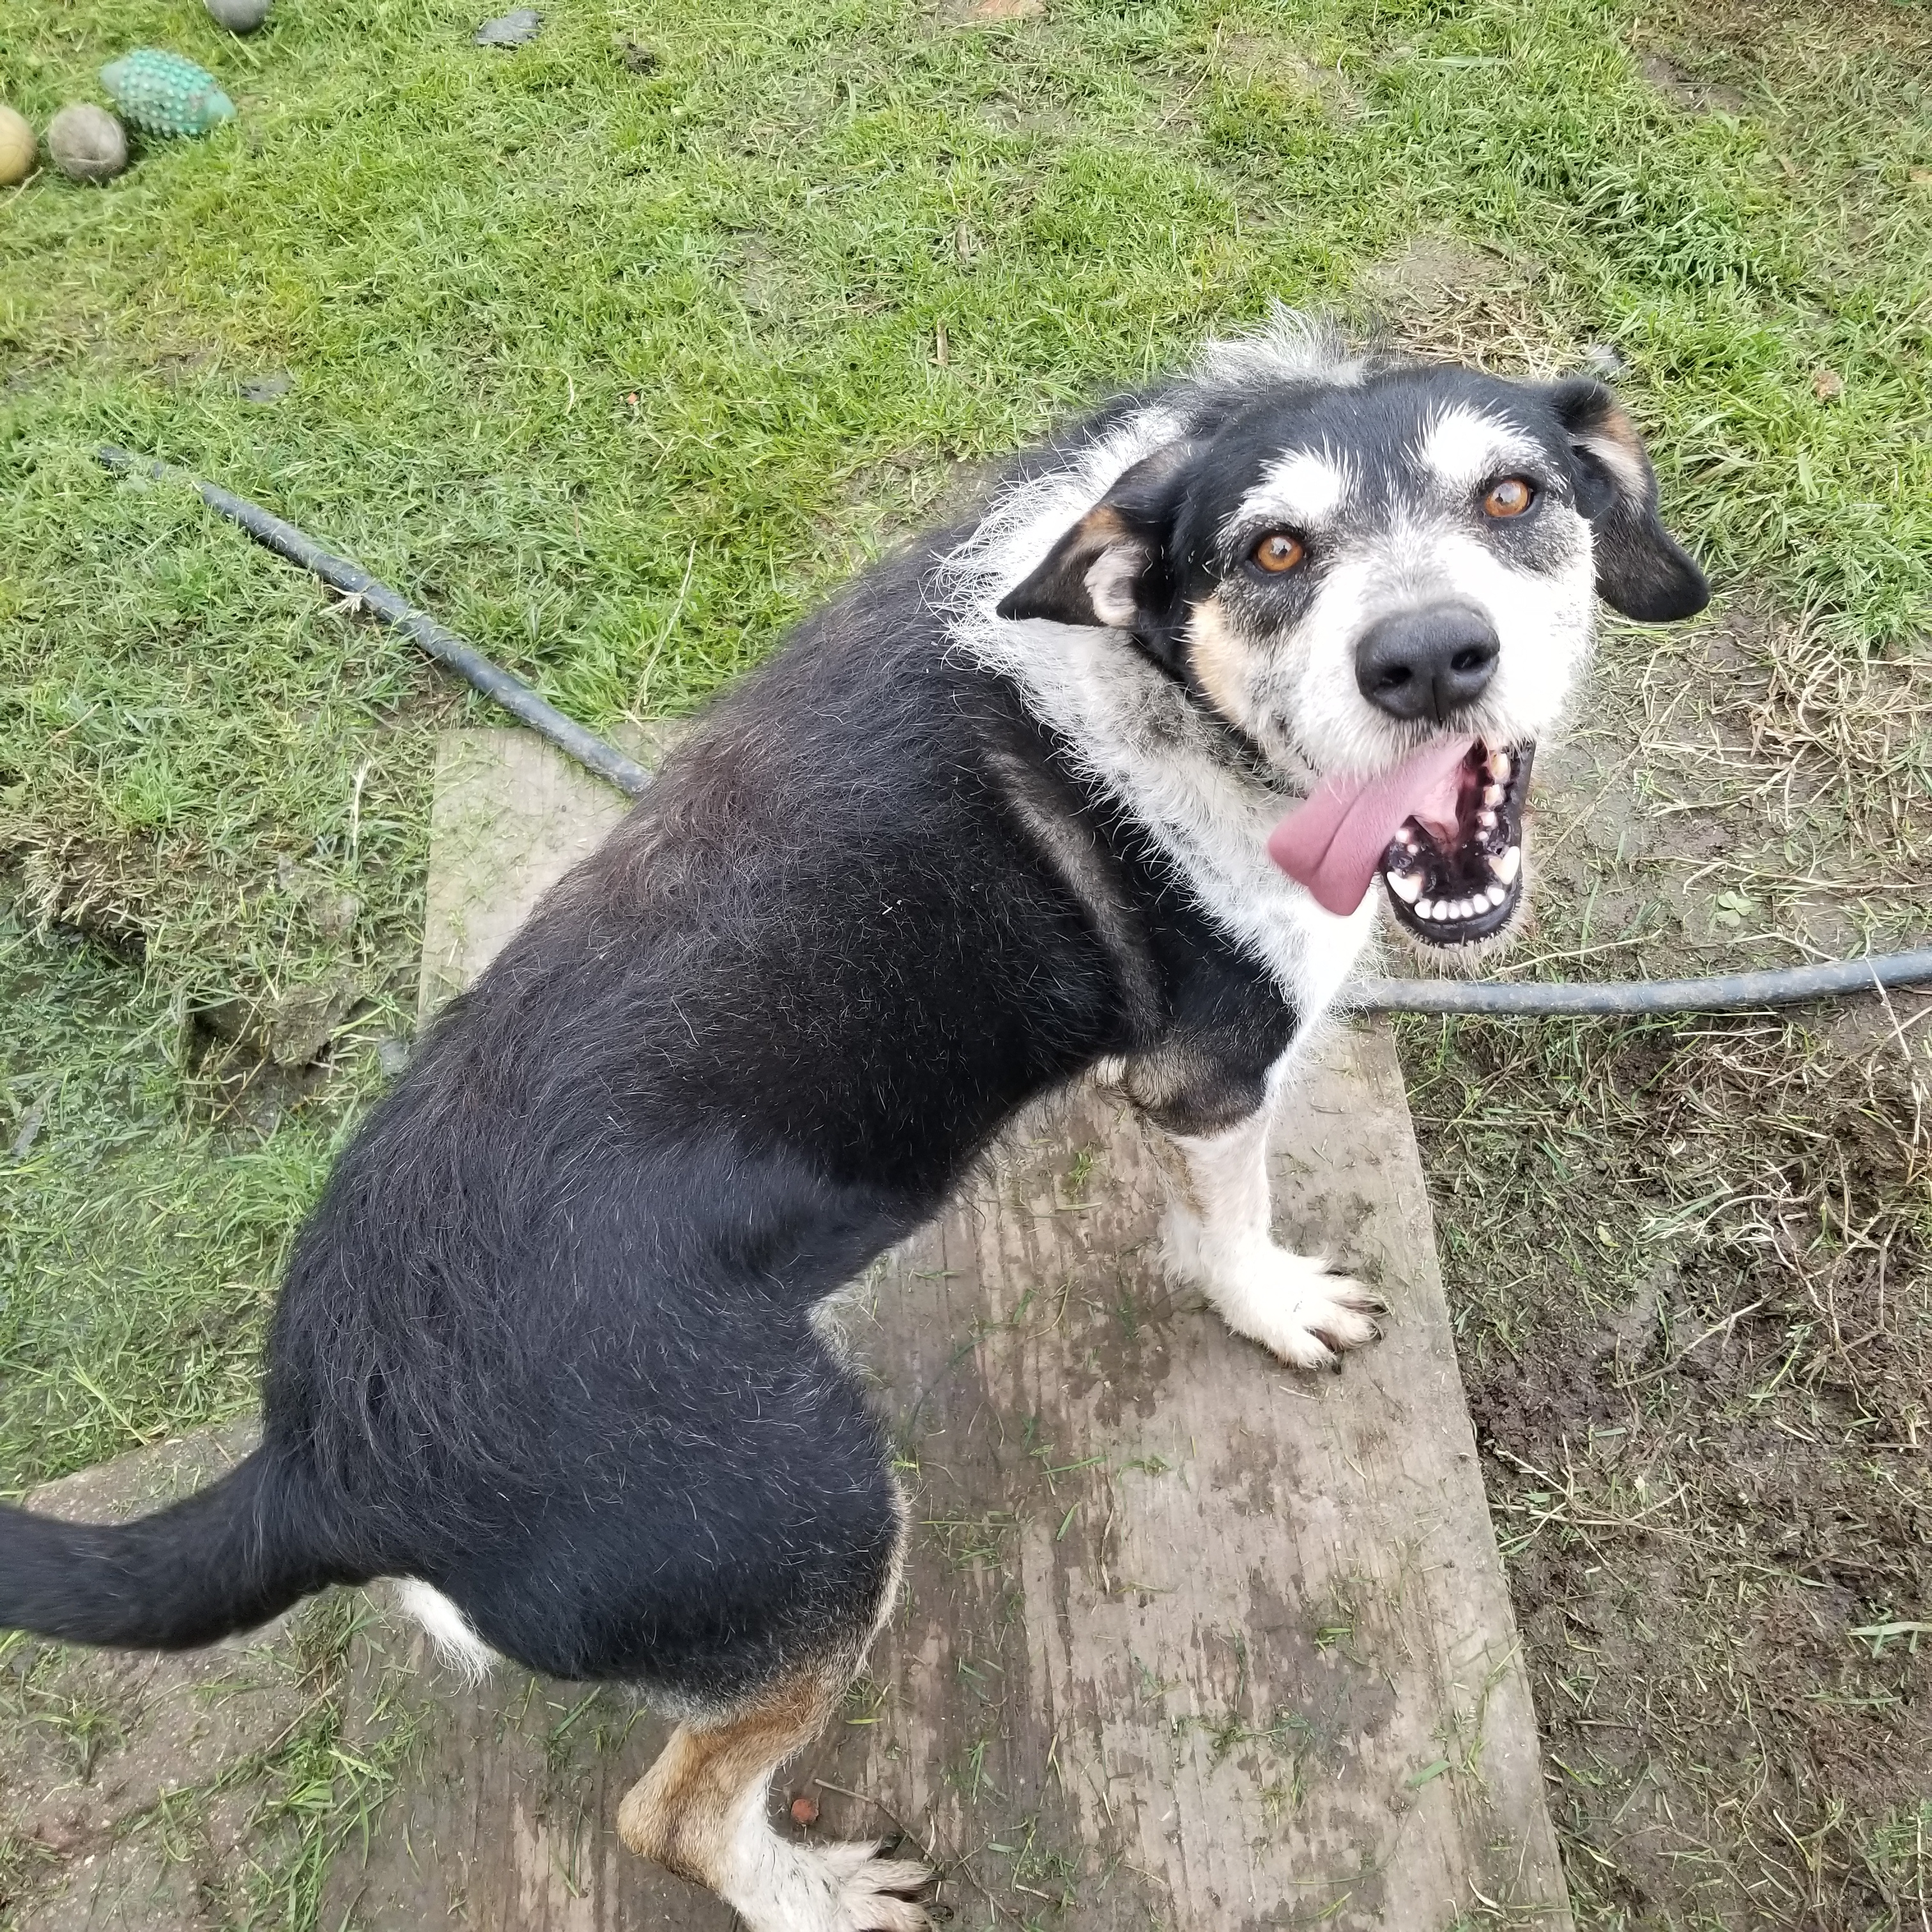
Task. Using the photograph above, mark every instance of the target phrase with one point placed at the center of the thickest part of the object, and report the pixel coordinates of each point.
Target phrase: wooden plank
(1187, 1641)
(1207, 1644)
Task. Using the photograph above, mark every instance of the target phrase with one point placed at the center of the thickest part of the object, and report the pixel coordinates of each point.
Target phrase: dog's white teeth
(1500, 767)
(1496, 895)
(1468, 908)
(1505, 864)
(1425, 908)
(1404, 885)
(1492, 795)
(1486, 819)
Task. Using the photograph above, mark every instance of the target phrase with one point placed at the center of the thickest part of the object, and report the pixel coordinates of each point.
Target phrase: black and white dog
(1000, 815)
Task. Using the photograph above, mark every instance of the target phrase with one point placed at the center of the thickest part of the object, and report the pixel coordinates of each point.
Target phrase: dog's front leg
(1216, 1232)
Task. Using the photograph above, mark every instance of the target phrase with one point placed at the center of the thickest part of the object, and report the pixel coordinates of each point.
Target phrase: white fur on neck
(1134, 728)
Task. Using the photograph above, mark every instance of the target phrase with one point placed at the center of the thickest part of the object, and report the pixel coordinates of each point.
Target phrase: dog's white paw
(1292, 1304)
(872, 1897)
(845, 1887)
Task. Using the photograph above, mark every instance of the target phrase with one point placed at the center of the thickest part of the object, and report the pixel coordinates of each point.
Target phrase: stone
(87, 142)
(238, 16)
(18, 149)
(511, 30)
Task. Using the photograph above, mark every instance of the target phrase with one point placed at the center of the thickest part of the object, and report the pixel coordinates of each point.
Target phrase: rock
(162, 94)
(511, 30)
(87, 142)
(238, 16)
(1827, 385)
(266, 389)
(18, 151)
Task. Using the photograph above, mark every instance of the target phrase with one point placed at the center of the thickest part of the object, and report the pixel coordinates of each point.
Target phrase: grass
(620, 349)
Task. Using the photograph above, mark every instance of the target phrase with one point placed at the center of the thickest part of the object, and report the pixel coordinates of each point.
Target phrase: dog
(999, 817)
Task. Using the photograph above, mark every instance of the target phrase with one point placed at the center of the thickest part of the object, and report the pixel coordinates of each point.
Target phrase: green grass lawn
(618, 349)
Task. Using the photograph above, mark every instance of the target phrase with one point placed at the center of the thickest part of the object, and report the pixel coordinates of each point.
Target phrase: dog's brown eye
(1279, 552)
(1509, 498)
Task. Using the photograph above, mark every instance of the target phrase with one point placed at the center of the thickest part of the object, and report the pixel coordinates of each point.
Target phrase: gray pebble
(511, 30)
(238, 16)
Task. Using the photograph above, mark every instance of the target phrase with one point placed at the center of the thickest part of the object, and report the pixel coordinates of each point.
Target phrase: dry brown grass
(1693, 1267)
(1813, 761)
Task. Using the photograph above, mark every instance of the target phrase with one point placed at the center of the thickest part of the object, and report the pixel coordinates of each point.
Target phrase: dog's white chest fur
(1138, 736)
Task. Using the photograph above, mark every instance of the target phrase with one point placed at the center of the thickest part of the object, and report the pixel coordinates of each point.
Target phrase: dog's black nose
(1427, 663)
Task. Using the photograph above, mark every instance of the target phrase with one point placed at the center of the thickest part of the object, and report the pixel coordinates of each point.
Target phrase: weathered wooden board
(1187, 1641)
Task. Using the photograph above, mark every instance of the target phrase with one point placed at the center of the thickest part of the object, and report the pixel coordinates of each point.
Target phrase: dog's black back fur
(546, 1342)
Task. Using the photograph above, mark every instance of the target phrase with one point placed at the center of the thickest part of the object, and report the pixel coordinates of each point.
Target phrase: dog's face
(1345, 571)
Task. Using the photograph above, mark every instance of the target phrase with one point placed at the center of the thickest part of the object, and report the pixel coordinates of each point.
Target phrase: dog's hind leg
(700, 1810)
(1216, 1233)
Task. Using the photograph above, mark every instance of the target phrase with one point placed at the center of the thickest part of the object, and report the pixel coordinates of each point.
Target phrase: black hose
(445, 646)
(1726, 991)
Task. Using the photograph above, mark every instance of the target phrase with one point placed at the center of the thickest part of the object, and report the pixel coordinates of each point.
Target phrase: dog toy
(162, 94)
(87, 142)
(238, 16)
(17, 150)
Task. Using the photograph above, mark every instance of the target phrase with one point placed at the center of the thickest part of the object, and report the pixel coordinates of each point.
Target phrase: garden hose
(378, 600)
(1782, 986)
(1722, 992)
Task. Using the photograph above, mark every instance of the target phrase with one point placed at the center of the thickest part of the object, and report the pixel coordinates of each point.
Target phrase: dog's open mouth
(1456, 876)
(1444, 832)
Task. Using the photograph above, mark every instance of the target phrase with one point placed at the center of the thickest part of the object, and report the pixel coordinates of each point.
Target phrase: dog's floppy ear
(1641, 569)
(1112, 568)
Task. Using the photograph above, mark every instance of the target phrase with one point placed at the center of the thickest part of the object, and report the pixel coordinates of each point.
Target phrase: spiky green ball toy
(162, 94)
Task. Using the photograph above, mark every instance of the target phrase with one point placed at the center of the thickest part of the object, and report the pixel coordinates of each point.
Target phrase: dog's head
(1352, 570)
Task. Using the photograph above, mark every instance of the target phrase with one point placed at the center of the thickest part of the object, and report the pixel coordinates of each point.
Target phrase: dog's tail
(226, 1558)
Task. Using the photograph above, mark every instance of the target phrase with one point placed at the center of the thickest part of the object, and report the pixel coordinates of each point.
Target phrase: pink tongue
(1334, 843)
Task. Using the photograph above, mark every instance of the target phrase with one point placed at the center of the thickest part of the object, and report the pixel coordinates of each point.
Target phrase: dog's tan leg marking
(700, 1810)
(1216, 1235)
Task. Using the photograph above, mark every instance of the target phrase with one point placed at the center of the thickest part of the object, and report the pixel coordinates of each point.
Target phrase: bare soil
(1691, 1262)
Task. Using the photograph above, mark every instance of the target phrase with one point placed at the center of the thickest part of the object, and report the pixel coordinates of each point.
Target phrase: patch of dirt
(1687, 90)
(1443, 299)
(1255, 58)
(1691, 1264)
